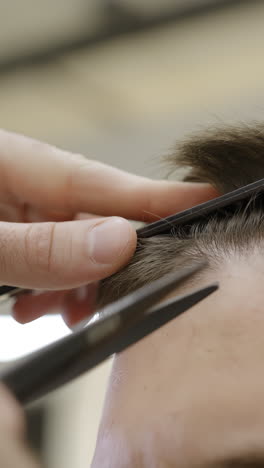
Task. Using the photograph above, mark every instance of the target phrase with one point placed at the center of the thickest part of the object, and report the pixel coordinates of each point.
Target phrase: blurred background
(120, 81)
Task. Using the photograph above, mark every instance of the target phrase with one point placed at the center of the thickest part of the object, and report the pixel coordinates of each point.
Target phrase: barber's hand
(44, 192)
(14, 452)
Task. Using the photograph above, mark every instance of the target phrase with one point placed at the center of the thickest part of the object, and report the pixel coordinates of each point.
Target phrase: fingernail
(107, 241)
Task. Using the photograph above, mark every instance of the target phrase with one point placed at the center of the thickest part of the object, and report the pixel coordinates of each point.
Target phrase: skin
(62, 226)
(191, 394)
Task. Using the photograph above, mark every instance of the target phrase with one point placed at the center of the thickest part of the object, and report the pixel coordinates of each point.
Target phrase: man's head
(191, 395)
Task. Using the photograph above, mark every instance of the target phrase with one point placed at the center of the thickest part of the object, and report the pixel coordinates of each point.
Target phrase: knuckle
(39, 241)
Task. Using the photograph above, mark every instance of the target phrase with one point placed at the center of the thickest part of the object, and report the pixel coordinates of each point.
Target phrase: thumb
(64, 255)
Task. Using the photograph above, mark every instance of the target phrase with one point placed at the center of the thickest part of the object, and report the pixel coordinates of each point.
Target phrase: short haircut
(227, 158)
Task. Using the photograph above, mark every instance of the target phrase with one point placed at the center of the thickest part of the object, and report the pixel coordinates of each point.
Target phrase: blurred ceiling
(126, 101)
(31, 31)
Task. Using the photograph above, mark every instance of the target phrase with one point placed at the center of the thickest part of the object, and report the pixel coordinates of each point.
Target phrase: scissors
(119, 324)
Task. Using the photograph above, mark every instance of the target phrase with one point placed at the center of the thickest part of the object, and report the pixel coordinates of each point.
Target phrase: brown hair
(227, 158)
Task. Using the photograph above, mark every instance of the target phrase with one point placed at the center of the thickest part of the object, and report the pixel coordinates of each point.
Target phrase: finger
(68, 183)
(35, 215)
(29, 307)
(64, 255)
(164, 198)
(79, 304)
(85, 216)
(74, 305)
(28, 214)
(11, 213)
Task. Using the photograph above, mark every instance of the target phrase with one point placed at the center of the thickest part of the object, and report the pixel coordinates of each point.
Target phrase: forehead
(197, 383)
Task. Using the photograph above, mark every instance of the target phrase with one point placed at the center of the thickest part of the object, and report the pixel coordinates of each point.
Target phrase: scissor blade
(162, 314)
(77, 353)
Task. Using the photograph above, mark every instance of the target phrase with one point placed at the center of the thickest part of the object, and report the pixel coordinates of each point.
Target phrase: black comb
(164, 226)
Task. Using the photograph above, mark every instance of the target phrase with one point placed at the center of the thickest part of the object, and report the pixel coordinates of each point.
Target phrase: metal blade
(162, 314)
